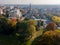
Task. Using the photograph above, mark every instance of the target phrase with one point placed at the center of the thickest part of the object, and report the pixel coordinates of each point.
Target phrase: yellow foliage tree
(56, 19)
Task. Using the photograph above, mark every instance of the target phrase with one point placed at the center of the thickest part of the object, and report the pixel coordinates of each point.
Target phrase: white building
(18, 12)
(11, 7)
(15, 13)
(1, 11)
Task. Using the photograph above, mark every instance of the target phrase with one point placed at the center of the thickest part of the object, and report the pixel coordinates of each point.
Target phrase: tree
(49, 38)
(31, 27)
(31, 30)
(26, 30)
(56, 19)
(21, 28)
(32, 22)
(12, 22)
(51, 26)
(5, 28)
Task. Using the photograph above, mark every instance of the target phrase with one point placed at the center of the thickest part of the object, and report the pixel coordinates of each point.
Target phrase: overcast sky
(29, 1)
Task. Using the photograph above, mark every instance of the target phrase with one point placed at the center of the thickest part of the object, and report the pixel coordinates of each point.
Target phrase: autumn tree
(51, 26)
(49, 38)
(56, 19)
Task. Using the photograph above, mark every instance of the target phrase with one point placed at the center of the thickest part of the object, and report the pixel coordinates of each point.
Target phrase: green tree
(31, 27)
(26, 30)
(32, 22)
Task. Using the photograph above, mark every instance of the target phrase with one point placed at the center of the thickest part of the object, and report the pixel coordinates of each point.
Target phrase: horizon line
(30, 4)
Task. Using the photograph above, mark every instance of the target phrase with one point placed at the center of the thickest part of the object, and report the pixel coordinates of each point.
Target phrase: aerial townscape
(29, 24)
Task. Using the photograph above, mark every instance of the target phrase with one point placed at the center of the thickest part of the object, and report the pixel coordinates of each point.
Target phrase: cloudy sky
(29, 1)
